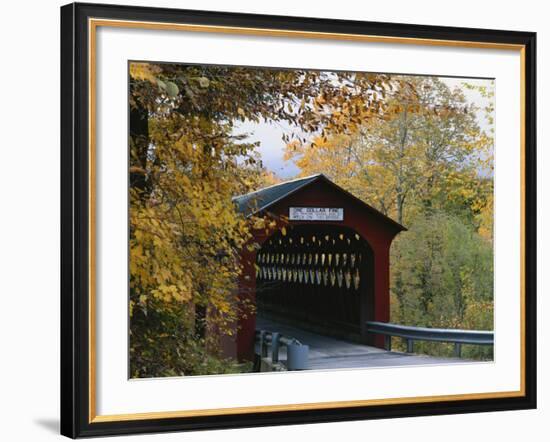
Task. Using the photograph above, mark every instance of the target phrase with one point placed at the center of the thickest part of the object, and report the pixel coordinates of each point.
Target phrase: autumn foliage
(409, 146)
(428, 164)
(186, 164)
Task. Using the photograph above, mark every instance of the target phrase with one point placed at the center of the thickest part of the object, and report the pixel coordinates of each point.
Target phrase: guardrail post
(458, 350)
(387, 342)
(275, 347)
(410, 345)
(296, 356)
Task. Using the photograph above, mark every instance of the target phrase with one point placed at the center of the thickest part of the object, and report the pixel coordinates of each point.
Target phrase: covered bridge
(323, 267)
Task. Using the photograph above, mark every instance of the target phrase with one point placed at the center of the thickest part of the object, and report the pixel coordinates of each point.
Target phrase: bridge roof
(261, 199)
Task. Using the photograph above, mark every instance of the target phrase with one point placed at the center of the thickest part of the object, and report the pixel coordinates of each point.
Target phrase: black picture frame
(75, 220)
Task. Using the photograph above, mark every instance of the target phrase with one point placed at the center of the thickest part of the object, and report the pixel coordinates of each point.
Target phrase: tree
(442, 276)
(427, 163)
(185, 166)
(423, 152)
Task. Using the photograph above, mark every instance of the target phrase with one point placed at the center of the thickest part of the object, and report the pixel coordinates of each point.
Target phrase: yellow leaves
(184, 247)
(224, 307)
(486, 219)
(258, 223)
(171, 293)
(185, 235)
(292, 149)
(143, 71)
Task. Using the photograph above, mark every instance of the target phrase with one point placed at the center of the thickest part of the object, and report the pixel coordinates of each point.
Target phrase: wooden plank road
(328, 353)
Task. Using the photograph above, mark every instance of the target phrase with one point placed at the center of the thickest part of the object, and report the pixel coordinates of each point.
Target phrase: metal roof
(259, 200)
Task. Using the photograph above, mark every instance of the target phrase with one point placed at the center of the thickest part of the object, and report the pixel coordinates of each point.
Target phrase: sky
(272, 146)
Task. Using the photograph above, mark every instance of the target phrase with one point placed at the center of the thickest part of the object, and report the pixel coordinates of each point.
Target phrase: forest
(415, 148)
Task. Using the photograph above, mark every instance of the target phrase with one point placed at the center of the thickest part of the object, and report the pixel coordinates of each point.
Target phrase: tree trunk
(400, 203)
(200, 321)
(139, 147)
(404, 131)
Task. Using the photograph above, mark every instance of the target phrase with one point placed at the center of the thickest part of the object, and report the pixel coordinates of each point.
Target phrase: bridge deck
(327, 352)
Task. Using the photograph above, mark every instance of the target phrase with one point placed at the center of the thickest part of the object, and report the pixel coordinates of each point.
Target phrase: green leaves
(169, 87)
(172, 89)
(442, 276)
(161, 84)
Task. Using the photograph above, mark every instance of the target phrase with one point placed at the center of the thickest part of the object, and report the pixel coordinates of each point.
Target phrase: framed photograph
(274, 220)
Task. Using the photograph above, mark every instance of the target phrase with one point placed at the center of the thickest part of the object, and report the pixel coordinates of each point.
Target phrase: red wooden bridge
(320, 274)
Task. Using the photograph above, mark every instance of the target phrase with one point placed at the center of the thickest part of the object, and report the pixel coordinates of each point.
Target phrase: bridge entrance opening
(317, 276)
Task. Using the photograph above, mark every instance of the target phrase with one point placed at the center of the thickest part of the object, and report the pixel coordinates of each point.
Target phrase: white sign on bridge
(316, 214)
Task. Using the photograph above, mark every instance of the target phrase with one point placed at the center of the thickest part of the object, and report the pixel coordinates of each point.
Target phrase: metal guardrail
(411, 334)
(296, 352)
